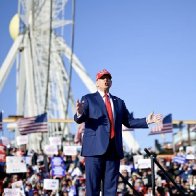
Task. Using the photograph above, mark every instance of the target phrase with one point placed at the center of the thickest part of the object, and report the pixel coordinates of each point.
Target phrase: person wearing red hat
(103, 115)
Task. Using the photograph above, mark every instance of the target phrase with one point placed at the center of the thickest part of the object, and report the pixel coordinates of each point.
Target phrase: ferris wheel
(42, 58)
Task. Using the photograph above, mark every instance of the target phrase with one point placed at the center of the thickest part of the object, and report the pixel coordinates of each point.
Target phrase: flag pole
(2, 122)
(188, 134)
(163, 138)
(173, 142)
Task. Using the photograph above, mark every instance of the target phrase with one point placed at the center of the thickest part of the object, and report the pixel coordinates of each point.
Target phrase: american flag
(33, 124)
(165, 127)
(1, 121)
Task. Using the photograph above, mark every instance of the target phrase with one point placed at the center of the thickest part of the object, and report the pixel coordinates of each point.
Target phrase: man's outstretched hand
(154, 118)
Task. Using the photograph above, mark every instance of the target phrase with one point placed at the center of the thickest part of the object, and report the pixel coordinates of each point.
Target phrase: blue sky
(149, 47)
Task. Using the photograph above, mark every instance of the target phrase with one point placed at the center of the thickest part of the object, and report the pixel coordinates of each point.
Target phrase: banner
(57, 167)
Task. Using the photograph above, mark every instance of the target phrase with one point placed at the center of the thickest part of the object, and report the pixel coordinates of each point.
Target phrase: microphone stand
(131, 186)
(153, 161)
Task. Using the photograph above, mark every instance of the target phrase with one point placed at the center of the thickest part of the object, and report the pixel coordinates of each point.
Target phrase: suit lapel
(100, 101)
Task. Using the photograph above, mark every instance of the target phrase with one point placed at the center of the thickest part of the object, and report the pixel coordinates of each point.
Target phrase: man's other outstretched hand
(79, 107)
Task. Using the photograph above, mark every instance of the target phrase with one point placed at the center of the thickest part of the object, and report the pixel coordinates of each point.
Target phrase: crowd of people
(72, 181)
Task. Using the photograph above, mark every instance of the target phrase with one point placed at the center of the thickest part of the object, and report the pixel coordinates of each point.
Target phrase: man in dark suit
(102, 147)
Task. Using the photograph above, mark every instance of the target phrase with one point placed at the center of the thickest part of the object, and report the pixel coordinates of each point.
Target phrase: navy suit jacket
(97, 127)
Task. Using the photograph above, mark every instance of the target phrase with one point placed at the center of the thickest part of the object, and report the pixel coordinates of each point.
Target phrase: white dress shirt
(111, 101)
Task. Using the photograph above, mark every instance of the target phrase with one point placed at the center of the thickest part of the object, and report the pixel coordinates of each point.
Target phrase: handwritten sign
(71, 150)
(144, 163)
(15, 164)
(56, 140)
(51, 184)
(50, 149)
(12, 192)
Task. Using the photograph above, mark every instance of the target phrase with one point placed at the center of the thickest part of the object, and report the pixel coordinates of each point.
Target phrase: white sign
(144, 163)
(50, 150)
(190, 156)
(55, 140)
(190, 150)
(15, 164)
(12, 192)
(136, 158)
(5, 141)
(17, 184)
(51, 184)
(28, 160)
(71, 150)
(21, 140)
(125, 168)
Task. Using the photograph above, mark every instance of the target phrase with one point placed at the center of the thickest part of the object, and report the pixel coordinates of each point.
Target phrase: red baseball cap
(102, 73)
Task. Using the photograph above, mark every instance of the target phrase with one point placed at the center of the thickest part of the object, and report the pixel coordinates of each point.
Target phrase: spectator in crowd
(74, 185)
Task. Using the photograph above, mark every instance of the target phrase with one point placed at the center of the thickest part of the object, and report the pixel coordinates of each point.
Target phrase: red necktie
(110, 114)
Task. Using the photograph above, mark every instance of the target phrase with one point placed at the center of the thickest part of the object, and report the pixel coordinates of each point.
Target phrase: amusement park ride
(42, 59)
(43, 62)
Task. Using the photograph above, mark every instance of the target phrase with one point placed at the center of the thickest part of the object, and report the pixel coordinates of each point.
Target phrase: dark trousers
(105, 169)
